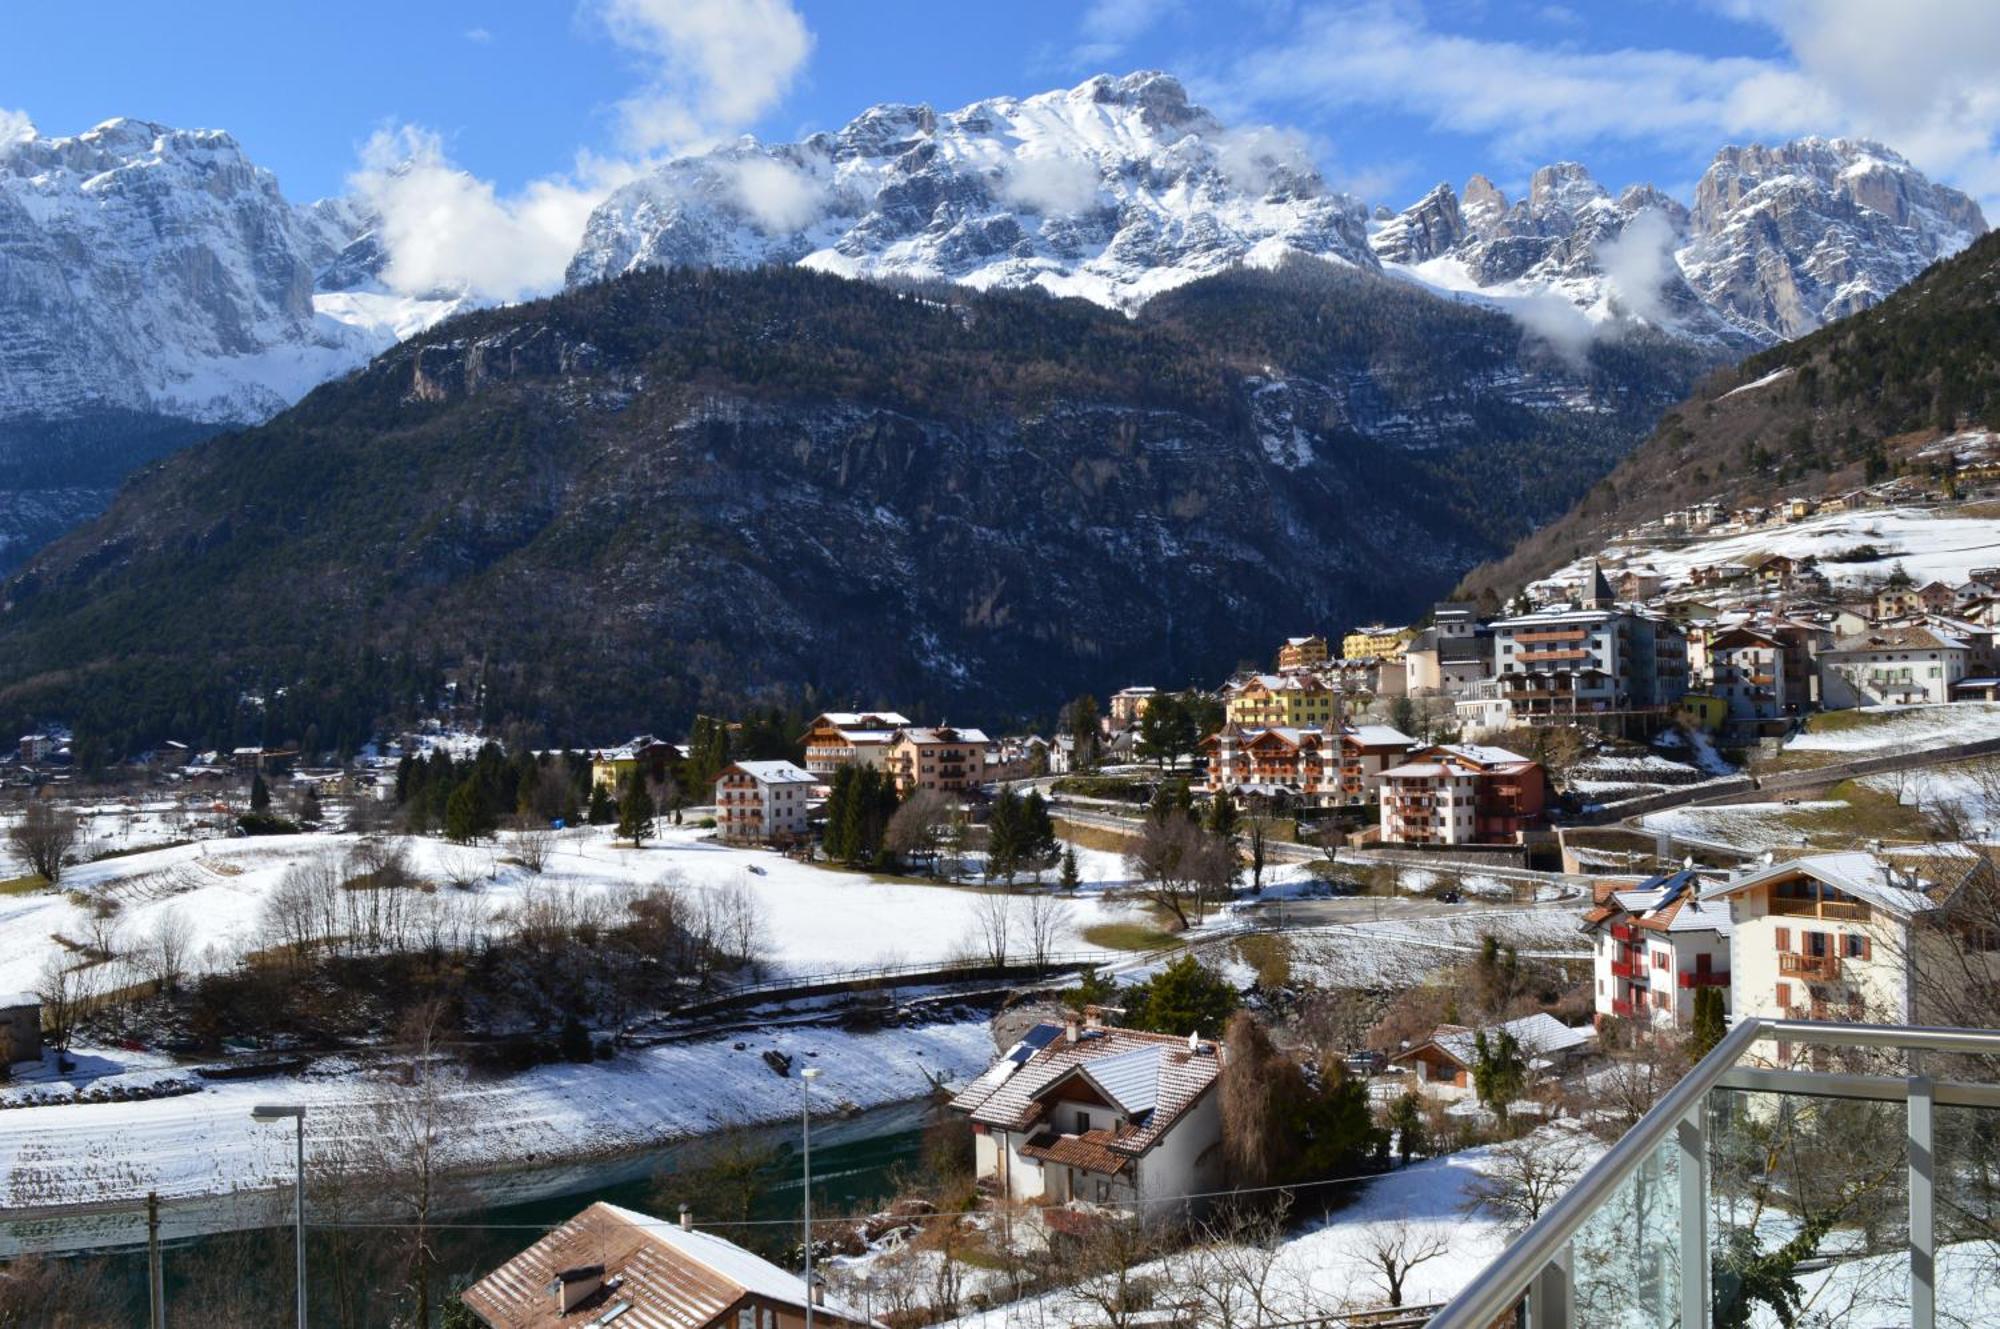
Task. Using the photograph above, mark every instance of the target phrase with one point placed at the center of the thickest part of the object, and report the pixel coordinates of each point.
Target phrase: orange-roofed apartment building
(1106, 1116)
(1302, 653)
(615, 1266)
(1656, 944)
(850, 738)
(1462, 793)
(1301, 763)
(950, 761)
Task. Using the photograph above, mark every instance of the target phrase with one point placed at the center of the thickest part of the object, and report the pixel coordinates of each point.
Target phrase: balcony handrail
(1501, 1285)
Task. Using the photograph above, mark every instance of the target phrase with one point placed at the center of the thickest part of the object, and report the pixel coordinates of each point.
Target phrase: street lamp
(806, 1077)
(267, 1112)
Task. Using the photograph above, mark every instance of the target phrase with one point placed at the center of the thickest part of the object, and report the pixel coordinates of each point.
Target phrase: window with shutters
(1784, 936)
(1854, 946)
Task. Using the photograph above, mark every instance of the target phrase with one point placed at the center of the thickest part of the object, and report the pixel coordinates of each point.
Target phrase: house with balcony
(1298, 700)
(1308, 766)
(1462, 793)
(764, 802)
(1839, 936)
(1575, 661)
(849, 738)
(1657, 943)
(1886, 666)
(1748, 670)
(611, 768)
(1375, 641)
(1302, 653)
(1079, 1111)
(947, 760)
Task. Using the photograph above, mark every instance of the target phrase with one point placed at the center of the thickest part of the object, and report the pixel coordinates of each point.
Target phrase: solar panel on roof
(1035, 1040)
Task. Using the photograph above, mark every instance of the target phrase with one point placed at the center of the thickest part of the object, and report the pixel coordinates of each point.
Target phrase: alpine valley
(945, 407)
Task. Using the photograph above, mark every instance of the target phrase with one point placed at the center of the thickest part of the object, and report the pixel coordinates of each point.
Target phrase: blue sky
(546, 103)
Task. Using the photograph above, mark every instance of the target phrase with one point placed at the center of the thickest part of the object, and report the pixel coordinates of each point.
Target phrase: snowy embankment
(1880, 731)
(205, 1143)
(814, 920)
(1748, 827)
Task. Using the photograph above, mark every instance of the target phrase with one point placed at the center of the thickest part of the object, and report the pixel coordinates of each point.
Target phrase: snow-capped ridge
(1115, 190)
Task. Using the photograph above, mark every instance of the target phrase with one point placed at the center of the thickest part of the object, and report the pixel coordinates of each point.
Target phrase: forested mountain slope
(686, 490)
(1852, 402)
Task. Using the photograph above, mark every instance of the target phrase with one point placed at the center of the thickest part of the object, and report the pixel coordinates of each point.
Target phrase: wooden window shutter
(1784, 940)
(1785, 996)
(1867, 946)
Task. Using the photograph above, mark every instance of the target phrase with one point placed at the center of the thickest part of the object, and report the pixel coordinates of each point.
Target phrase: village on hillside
(1404, 927)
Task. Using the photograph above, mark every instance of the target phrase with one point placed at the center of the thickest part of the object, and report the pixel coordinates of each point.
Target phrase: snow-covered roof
(864, 719)
(1379, 736)
(1483, 754)
(1856, 873)
(776, 772)
(1669, 902)
(1179, 1073)
(925, 737)
(11, 1000)
(1537, 1035)
(657, 1275)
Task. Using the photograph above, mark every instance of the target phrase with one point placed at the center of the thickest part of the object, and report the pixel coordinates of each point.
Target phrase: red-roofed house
(1462, 793)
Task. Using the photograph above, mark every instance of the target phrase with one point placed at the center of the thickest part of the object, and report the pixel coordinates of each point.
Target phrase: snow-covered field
(1929, 546)
(1401, 952)
(1966, 790)
(1892, 729)
(815, 920)
(1751, 827)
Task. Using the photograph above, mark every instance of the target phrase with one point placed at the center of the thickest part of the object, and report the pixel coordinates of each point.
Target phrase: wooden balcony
(1794, 907)
(1812, 968)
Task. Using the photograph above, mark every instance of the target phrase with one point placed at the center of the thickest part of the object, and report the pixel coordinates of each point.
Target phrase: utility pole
(155, 1286)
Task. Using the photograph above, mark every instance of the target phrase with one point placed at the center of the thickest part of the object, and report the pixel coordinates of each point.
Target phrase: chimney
(1072, 1027)
(573, 1287)
(687, 1219)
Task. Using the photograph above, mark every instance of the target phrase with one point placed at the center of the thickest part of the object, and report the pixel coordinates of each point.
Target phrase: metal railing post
(1923, 1232)
(1692, 1169)
(1552, 1299)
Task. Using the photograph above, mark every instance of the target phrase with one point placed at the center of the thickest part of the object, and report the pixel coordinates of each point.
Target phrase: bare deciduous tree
(164, 956)
(66, 992)
(1392, 1250)
(44, 837)
(1528, 1175)
(1042, 915)
(532, 844)
(992, 926)
(1183, 866)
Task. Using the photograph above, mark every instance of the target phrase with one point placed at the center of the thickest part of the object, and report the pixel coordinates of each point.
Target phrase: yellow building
(1302, 653)
(1378, 641)
(1263, 701)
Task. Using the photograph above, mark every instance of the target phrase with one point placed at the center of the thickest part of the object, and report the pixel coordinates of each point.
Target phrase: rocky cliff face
(1114, 190)
(1778, 242)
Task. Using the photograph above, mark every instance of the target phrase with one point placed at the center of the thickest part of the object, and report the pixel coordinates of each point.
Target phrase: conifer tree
(635, 809)
(1070, 879)
(260, 793)
(1005, 835)
(602, 811)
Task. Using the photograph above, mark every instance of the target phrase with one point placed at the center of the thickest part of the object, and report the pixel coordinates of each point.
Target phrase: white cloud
(1109, 26)
(478, 36)
(781, 199)
(1556, 321)
(1253, 156)
(446, 230)
(1638, 261)
(711, 68)
(15, 125)
(714, 66)
(1053, 183)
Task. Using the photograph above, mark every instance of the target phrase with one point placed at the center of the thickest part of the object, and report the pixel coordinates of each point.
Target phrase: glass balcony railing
(1802, 1173)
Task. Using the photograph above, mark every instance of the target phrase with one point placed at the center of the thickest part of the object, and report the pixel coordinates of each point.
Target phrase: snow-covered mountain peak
(161, 271)
(1115, 190)
(1779, 240)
